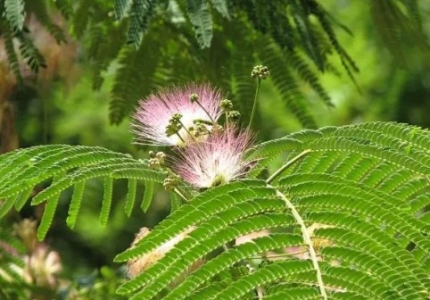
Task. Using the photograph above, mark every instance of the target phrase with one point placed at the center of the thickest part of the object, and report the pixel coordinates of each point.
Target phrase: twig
(307, 240)
(254, 106)
(284, 167)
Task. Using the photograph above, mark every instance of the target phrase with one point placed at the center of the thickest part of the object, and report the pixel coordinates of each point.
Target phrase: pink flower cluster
(207, 160)
(154, 113)
(217, 160)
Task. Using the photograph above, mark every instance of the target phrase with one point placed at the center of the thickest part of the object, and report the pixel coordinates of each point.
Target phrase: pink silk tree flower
(194, 102)
(217, 160)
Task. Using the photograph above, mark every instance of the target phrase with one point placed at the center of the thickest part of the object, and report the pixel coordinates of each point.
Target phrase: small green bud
(234, 116)
(176, 117)
(171, 181)
(172, 129)
(157, 159)
(200, 121)
(200, 130)
(219, 180)
(161, 156)
(262, 72)
(154, 163)
(226, 105)
(194, 98)
(174, 124)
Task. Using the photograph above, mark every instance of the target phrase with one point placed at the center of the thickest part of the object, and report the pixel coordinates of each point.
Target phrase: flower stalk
(194, 98)
(285, 166)
(254, 105)
(307, 240)
(260, 72)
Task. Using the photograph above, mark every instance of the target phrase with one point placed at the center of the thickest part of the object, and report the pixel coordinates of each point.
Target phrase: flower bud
(260, 72)
(194, 98)
(226, 105)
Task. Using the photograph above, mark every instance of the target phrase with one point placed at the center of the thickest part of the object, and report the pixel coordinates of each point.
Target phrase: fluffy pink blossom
(217, 160)
(154, 113)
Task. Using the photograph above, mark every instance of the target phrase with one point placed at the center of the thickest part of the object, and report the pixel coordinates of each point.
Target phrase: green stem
(226, 120)
(180, 137)
(179, 193)
(307, 240)
(204, 109)
(289, 254)
(284, 167)
(186, 129)
(254, 106)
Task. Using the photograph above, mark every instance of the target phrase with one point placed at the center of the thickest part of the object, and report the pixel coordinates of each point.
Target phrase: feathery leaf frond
(201, 19)
(65, 167)
(365, 219)
(14, 14)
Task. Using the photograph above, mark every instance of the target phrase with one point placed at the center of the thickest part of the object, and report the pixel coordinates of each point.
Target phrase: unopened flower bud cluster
(260, 72)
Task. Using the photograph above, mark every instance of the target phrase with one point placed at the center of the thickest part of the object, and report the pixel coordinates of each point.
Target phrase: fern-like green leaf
(169, 267)
(348, 63)
(5, 206)
(186, 216)
(127, 88)
(81, 17)
(207, 291)
(147, 196)
(107, 200)
(131, 196)
(47, 218)
(369, 214)
(397, 29)
(268, 274)
(211, 232)
(228, 258)
(291, 292)
(122, 8)
(22, 198)
(71, 166)
(363, 147)
(101, 49)
(221, 7)
(300, 13)
(14, 13)
(175, 201)
(11, 54)
(39, 9)
(75, 204)
(309, 76)
(201, 19)
(64, 7)
(32, 55)
(110, 169)
(140, 15)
